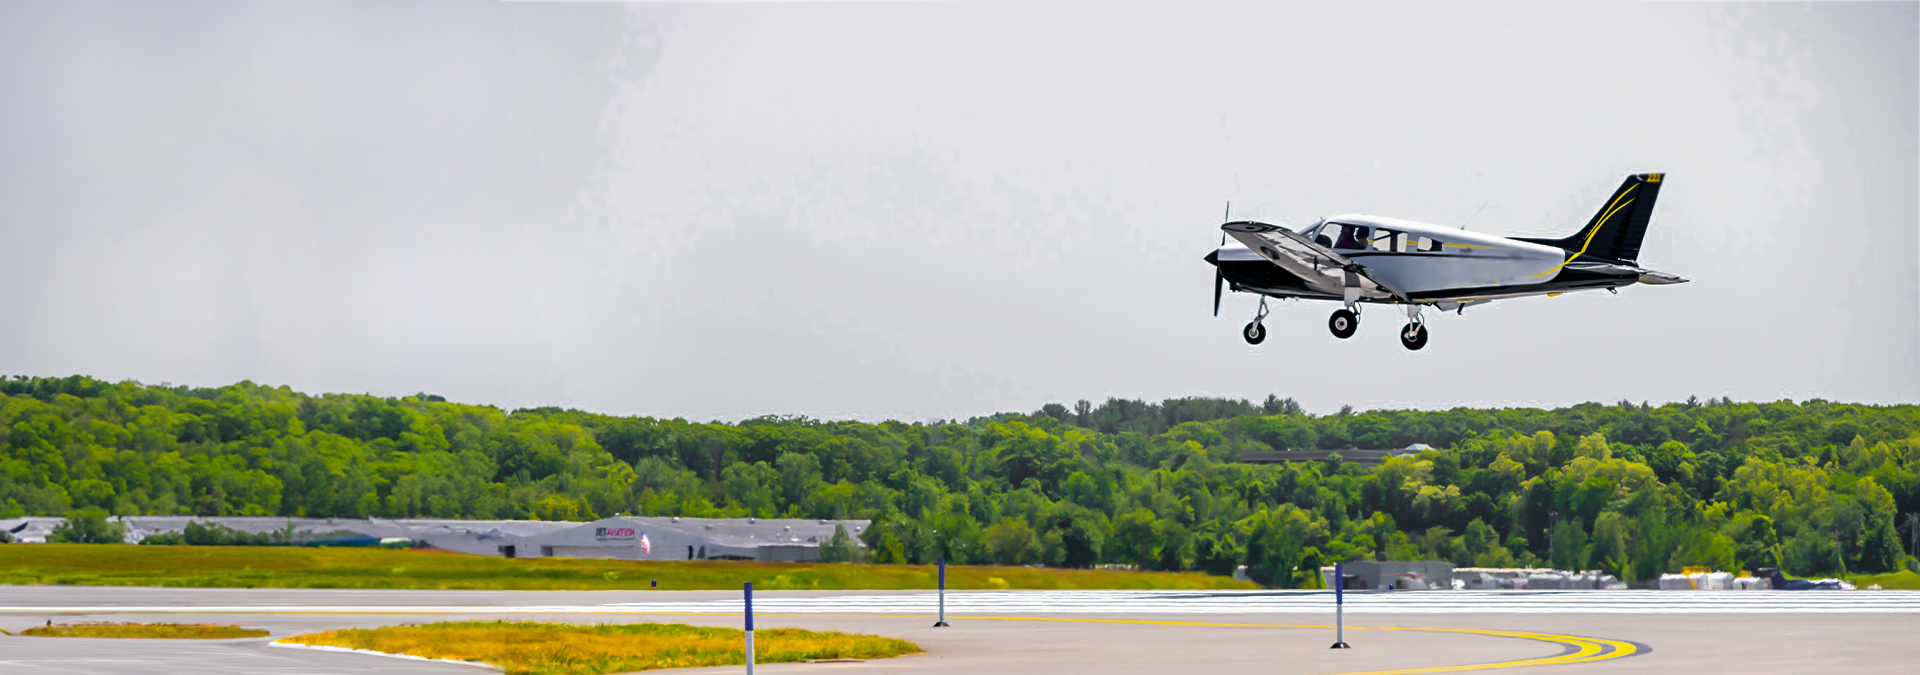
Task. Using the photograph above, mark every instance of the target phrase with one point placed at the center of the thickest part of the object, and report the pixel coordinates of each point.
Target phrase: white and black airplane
(1356, 258)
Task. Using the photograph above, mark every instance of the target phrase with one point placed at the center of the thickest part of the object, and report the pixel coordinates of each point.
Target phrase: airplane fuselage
(1420, 258)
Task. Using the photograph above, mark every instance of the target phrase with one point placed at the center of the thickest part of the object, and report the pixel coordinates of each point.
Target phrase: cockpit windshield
(1338, 235)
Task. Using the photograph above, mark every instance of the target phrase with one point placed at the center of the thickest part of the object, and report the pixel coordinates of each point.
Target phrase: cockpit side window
(1429, 245)
(1352, 237)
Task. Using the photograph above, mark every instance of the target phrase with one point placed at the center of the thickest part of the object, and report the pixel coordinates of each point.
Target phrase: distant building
(1353, 455)
(668, 538)
(1433, 575)
(1529, 578)
(665, 538)
(1413, 575)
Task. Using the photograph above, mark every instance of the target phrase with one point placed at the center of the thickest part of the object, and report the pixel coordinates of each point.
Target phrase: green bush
(197, 533)
(88, 526)
(840, 548)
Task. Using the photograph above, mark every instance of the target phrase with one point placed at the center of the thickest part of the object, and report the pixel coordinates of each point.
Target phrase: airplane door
(1388, 260)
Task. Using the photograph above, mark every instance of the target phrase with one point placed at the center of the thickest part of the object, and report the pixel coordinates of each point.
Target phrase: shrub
(840, 548)
(198, 533)
(88, 526)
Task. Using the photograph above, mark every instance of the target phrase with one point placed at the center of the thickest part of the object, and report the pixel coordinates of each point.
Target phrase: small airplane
(1780, 582)
(1358, 258)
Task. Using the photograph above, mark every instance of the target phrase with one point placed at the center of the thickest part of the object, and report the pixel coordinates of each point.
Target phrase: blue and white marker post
(749, 590)
(1339, 610)
(942, 623)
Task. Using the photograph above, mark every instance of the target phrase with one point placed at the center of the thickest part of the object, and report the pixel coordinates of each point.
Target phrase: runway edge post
(1339, 609)
(748, 588)
(942, 622)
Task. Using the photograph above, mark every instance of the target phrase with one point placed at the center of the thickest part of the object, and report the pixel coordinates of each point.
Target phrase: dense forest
(1815, 487)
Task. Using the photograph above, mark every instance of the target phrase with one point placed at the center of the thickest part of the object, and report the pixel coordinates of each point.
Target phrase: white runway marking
(1314, 602)
(369, 652)
(1020, 603)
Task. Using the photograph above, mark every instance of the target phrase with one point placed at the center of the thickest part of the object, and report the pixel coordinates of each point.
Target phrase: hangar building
(1370, 574)
(670, 538)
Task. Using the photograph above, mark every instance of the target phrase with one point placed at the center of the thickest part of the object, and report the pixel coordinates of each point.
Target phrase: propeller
(1218, 281)
(1219, 278)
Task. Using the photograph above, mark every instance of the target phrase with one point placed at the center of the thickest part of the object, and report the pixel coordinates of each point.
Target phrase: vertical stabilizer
(1616, 230)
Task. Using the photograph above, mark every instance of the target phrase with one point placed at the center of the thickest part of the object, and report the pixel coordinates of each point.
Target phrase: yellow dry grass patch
(166, 631)
(530, 648)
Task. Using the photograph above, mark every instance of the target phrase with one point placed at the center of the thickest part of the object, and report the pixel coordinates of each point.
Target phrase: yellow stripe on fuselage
(1615, 208)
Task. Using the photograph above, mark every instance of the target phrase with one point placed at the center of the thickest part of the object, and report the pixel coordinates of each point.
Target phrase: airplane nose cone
(1213, 257)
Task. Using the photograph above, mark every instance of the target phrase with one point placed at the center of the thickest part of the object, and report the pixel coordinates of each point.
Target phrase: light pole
(1553, 520)
(1838, 561)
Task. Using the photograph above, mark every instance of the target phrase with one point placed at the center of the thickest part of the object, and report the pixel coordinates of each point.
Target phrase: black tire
(1255, 333)
(1413, 337)
(1343, 323)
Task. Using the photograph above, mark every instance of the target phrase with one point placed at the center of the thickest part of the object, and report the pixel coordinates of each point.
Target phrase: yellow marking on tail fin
(1617, 205)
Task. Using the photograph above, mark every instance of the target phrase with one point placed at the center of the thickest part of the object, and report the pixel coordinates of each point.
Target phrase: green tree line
(1815, 487)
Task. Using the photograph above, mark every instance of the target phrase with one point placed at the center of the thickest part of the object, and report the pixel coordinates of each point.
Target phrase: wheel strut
(1414, 336)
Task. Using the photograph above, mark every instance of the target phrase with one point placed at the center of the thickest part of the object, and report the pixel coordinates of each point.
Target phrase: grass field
(167, 631)
(1905, 580)
(527, 648)
(295, 567)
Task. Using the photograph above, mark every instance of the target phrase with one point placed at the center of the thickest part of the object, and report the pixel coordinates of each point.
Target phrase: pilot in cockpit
(1352, 237)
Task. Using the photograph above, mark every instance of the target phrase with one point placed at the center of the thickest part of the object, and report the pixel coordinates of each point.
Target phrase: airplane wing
(1318, 266)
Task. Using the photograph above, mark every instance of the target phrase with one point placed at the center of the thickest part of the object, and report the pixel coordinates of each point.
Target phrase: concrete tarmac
(1044, 643)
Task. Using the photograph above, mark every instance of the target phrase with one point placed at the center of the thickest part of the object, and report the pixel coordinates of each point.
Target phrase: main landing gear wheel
(1255, 333)
(1343, 323)
(1414, 336)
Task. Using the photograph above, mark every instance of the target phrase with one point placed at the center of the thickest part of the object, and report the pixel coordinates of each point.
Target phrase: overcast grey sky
(935, 210)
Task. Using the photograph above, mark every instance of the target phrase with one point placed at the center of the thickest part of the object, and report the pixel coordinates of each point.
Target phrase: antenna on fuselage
(1483, 207)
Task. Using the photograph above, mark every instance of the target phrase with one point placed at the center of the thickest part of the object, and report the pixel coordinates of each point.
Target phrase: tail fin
(1617, 228)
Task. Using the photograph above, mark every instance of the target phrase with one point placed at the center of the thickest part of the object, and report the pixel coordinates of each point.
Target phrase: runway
(1308, 602)
(1015, 632)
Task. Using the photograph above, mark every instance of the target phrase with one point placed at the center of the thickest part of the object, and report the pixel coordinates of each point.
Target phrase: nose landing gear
(1256, 332)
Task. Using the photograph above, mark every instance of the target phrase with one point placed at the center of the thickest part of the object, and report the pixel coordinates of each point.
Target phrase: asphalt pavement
(1017, 632)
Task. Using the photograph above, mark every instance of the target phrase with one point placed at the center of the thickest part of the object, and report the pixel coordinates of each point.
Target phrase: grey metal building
(671, 538)
(1416, 575)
